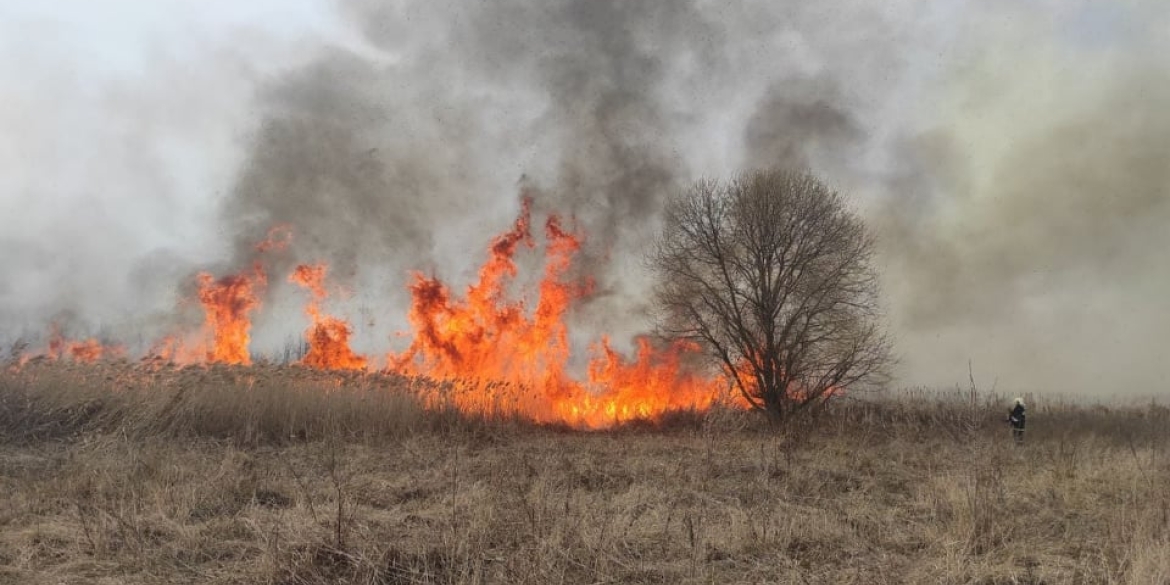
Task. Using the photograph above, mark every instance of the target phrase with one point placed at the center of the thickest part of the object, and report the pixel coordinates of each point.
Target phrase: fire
(656, 381)
(328, 336)
(172, 349)
(488, 336)
(278, 239)
(495, 352)
(521, 356)
(85, 351)
(227, 302)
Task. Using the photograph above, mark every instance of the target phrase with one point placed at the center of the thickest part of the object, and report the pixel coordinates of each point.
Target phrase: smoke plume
(400, 152)
(1012, 157)
(1025, 231)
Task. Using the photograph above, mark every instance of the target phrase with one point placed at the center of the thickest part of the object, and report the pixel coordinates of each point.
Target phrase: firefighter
(1016, 419)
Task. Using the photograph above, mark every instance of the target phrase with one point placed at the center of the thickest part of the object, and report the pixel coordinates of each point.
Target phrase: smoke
(384, 158)
(400, 150)
(1026, 231)
(800, 119)
(1011, 155)
(90, 190)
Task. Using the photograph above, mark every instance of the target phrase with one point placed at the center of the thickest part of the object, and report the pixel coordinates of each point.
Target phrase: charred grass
(139, 474)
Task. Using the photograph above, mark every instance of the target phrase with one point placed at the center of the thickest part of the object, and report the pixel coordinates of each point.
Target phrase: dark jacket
(1016, 417)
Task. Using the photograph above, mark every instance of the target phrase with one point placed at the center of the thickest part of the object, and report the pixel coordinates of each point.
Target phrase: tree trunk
(774, 405)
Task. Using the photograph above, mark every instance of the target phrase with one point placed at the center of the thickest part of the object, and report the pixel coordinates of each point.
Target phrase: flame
(657, 380)
(278, 239)
(85, 351)
(227, 302)
(328, 336)
(512, 360)
(494, 351)
(174, 350)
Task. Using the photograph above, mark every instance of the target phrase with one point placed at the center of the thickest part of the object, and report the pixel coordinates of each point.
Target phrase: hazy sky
(123, 124)
(1001, 147)
(120, 36)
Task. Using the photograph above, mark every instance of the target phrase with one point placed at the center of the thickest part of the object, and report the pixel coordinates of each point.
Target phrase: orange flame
(173, 349)
(278, 239)
(520, 357)
(227, 301)
(85, 351)
(328, 336)
(497, 353)
(656, 381)
(795, 393)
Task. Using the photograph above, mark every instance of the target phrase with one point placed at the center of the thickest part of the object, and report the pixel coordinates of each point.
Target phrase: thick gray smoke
(407, 153)
(105, 181)
(1012, 156)
(380, 160)
(799, 119)
(1027, 231)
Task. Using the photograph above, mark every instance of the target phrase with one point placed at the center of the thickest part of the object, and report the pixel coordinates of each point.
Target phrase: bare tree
(772, 274)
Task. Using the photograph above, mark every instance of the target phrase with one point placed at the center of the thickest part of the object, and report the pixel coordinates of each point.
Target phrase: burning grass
(141, 474)
(514, 344)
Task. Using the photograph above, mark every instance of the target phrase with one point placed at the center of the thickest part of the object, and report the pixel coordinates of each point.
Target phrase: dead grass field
(128, 474)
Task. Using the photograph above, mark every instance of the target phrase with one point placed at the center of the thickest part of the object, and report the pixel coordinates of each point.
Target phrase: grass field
(143, 474)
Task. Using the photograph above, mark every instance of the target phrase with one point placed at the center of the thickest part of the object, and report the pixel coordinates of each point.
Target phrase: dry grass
(127, 474)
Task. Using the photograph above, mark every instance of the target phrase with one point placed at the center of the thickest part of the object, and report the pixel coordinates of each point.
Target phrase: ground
(919, 488)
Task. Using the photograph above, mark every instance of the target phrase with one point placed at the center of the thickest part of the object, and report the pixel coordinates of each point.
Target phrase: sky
(1000, 149)
(119, 36)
